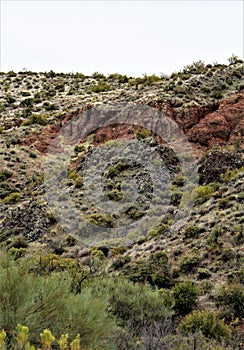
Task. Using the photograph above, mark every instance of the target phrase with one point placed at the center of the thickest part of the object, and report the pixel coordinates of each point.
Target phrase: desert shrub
(194, 341)
(17, 253)
(114, 195)
(189, 263)
(231, 174)
(149, 79)
(25, 93)
(5, 189)
(5, 174)
(10, 99)
(79, 148)
(179, 181)
(231, 298)
(32, 155)
(79, 182)
(142, 133)
(216, 94)
(176, 197)
(46, 302)
(12, 198)
(18, 242)
(35, 119)
(192, 231)
(28, 102)
(72, 175)
(207, 323)
(204, 192)
(101, 86)
(236, 73)
(159, 230)
(46, 340)
(49, 106)
(115, 169)
(233, 59)
(237, 145)
(120, 78)
(120, 262)
(48, 263)
(203, 273)
(185, 296)
(98, 76)
(228, 254)
(133, 305)
(214, 235)
(224, 203)
(155, 270)
(134, 213)
(101, 220)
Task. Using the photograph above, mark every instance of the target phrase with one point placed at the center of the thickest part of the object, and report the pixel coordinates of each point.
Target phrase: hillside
(192, 230)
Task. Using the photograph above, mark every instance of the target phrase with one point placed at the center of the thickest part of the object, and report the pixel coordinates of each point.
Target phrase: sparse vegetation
(147, 289)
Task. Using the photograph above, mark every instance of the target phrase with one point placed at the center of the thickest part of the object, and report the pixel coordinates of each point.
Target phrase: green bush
(35, 119)
(224, 203)
(115, 169)
(101, 86)
(46, 302)
(143, 133)
(120, 262)
(176, 197)
(179, 180)
(79, 182)
(114, 195)
(231, 298)
(159, 230)
(5, 190)
(189, 263)
(231, 174)
(12, 198)
(134, 213)
(79, 148)
(203, 273)
(185, 296)
(214, 235)
(5, 174)
(101, 220)
(207, 323)
(10, 99)
(192, 232)
(233, 59)
(46, 340)
(28, 102)
(155, 270)
(204, 193)
(133, 305)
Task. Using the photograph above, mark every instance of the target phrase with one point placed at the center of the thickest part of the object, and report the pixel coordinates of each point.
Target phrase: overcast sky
(128, 37)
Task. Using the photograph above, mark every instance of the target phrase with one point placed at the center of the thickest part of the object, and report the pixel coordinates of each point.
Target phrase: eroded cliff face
(221, 123)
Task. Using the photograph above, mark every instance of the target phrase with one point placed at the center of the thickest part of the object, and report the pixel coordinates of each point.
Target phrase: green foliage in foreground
(21, 340)
(46, 302)
(131, 303)
(41, 309)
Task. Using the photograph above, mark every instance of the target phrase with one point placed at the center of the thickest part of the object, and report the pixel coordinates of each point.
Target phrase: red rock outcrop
(218, 124)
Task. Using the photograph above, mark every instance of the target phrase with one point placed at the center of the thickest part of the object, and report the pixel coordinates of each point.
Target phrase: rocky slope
(207, 102)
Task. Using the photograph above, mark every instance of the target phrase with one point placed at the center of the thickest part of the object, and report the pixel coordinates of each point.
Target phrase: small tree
(207, 323)
(185, 297)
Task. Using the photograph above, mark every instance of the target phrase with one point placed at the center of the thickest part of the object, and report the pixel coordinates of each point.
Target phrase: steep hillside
(206, 102)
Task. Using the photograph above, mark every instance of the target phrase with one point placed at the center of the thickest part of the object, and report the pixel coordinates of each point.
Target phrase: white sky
(128, 37)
